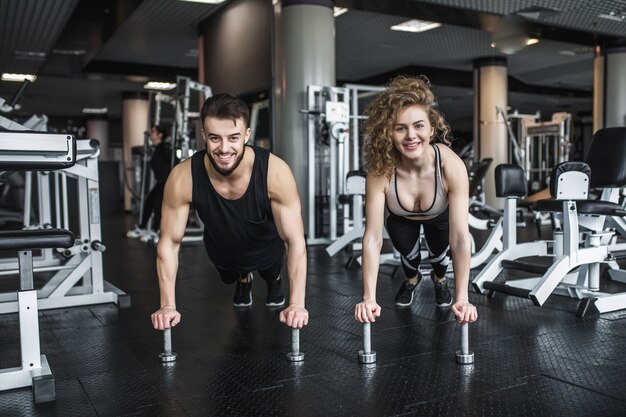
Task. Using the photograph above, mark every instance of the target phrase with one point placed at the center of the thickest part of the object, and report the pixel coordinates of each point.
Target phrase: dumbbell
(167, 355)
(295, 355)
(367, 355)
(464, 356)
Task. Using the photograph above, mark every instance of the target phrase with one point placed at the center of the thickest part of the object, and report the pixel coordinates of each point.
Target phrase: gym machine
(544, 145)
(33, 151)
(254, 121)
(79, 280)
(354, 227)
(569, 187)
(328, 113)
(183, 146)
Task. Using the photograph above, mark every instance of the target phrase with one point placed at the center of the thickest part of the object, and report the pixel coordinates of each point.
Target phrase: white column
(305, 48)
(609, 87)
(490, 133)
(135, 108)
(98, 128)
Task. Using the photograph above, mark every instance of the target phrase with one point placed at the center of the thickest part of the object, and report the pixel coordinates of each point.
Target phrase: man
(160, 162)
(248, 201)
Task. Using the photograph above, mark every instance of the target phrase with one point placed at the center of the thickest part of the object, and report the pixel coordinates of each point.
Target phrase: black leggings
(153, 202)
(269, 274)
(405, 236)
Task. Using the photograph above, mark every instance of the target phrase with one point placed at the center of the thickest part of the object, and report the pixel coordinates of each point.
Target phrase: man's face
(225, 143)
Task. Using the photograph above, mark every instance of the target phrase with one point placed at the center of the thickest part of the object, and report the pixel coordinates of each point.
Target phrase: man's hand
(165, 318)
(294, 316)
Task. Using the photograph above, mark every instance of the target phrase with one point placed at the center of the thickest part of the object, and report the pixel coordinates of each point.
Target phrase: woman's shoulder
(448, 155)
(451, 163)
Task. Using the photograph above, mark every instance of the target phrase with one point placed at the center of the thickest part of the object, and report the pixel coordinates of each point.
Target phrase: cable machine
(545, 145)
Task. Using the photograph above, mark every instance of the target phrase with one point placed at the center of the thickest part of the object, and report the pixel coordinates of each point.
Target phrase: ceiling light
(415, 26)
(18, 77)
(513, 44)
(206, 1)
(582, 50)
(155, 85)
(30, 54)
(338, 11)
(70, 52)
(617, 16)
(101, 110)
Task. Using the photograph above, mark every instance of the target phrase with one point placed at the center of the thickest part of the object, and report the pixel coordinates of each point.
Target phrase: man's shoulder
(182, 168)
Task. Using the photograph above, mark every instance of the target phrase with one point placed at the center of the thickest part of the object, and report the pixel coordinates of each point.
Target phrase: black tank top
(239, 235)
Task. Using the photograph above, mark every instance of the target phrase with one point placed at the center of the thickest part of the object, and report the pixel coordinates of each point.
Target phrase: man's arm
(287, 213)
(174, 214)
(456, 178)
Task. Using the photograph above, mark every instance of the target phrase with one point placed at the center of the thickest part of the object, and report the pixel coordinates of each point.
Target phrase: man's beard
(222, 171)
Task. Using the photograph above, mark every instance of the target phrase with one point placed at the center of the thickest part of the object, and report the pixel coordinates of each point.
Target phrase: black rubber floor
(530, 361)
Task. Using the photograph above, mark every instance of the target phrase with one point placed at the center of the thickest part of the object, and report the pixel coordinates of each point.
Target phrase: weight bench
(33, 151)
(34, 370)
(569, 186)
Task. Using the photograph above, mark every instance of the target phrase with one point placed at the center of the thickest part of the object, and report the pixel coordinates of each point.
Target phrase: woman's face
(412, 131)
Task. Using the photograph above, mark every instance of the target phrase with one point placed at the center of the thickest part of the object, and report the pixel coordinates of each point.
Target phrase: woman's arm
(375, 187)
(455, 175)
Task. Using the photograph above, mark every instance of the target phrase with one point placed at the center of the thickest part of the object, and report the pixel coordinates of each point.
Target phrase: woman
(421, 182)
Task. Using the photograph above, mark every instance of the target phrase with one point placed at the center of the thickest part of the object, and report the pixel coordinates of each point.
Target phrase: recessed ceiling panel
(159, 32)
(28, 31)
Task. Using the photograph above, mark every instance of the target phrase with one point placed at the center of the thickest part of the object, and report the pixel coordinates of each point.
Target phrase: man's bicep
(287, 209)
(175, 209)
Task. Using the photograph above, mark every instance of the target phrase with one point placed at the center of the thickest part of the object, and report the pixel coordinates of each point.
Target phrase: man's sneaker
(404, 297)
(275, 297)
(443, 296)
(136, 232)
(243, 293)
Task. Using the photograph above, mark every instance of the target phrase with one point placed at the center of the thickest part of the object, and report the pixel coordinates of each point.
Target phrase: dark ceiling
(86, 52)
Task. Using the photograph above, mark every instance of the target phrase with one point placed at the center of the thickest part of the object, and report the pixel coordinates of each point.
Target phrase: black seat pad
(36, 239)
(600, 208)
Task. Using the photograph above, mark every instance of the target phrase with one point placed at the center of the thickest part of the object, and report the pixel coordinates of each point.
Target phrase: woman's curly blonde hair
(381, 155)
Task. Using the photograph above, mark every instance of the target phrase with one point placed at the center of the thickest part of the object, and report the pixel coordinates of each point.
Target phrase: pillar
(98, 128)
(490, 133)
(305, 54)
(135, 109)
(609, 85)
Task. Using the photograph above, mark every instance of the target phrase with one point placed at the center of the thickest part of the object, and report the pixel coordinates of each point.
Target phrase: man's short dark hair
(225, 106)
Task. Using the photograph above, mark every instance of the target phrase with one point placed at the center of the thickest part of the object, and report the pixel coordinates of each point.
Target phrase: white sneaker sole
(275, 304)
(407, 304)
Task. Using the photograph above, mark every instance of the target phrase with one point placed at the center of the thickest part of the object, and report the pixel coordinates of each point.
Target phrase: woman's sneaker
(275, 297)
(443, 296)
(404, 297)
(243, 293)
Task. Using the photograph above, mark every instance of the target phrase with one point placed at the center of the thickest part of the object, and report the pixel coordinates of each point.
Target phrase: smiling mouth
(224, 158)
(412, 145)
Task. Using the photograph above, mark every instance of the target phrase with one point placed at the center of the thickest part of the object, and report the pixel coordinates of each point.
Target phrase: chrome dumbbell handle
(295, 355)
(367, 355)
(167, 355)
(465, 356)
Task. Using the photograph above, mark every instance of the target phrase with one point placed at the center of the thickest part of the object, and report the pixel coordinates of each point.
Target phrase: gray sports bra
(440, 202)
